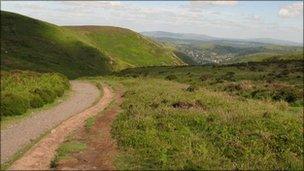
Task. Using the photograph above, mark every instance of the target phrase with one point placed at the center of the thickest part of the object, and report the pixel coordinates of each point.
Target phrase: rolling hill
(276, 41)
(125, 47)
(264, 57)
(30, 44)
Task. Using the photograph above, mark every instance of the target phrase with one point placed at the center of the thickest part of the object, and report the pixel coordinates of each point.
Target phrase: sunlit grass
(165, 126)
(23, 90)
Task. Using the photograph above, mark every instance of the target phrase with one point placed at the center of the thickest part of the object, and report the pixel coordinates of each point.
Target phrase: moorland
(186, 103)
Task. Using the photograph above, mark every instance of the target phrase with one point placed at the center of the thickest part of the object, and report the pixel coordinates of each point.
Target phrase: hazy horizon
(281, 20)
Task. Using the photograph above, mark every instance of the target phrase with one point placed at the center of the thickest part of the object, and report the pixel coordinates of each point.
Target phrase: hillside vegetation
(127, 48)
(264, 57)
(31, 44)
(273, 80)
(246, 115)
(176, 127)
(22, 90)
(28, 43)
(240, 116)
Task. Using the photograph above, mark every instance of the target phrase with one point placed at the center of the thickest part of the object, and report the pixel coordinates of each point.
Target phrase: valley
(201, 49)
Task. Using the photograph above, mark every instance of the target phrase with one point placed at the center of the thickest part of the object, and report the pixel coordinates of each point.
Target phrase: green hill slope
(127, 48)
(32, 44)
(27, 43)
(262, 57)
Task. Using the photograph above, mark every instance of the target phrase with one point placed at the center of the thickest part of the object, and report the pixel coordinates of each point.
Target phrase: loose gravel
(18, 135)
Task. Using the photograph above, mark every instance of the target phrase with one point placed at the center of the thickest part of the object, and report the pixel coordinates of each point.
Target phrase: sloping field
(28, 43)
(127, 48)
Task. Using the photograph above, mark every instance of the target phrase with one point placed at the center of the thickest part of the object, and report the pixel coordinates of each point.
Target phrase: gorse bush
(21, 90)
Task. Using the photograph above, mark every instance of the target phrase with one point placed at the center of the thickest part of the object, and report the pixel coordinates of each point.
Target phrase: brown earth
(101, 148)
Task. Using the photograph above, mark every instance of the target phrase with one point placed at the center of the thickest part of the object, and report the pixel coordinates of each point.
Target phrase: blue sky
(229, 19)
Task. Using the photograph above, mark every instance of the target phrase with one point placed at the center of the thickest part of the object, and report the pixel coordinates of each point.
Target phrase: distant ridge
(276, 41)
(202, 37)
(191, 36)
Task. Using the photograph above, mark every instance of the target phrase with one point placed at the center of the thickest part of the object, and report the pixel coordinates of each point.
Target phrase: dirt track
(41, 154)
(101, 149)
(16, 136)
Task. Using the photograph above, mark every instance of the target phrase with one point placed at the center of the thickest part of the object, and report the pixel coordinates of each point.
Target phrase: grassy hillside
(165, 125)
(216, 117)
(27, 43)
(22, 90)
(185, 58)
(175, 128)
(260, 57)
(241, 116)
(127, 48)
(276, 80)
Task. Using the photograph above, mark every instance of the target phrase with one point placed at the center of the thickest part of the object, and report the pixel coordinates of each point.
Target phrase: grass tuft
(89, 123)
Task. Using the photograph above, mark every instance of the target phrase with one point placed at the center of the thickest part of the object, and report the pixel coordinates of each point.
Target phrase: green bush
(287, 95)
(36, 101)
(21, 90)
(45, 94)
(13, 104)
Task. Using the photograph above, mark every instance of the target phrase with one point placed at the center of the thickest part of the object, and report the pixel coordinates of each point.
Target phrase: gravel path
(39, 157)
(18, 135)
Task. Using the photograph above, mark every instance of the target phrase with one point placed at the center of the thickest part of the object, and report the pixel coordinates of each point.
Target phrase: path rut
(40, 155)
(22, 133)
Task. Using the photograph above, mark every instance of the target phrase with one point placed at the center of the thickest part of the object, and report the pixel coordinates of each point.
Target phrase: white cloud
(200, 6)
(293, 10)
(100, 4)
(213, 3)
(229, 3)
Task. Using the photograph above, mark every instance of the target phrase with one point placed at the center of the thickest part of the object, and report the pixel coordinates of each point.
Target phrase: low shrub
(36, 101)
(229, 76)
(21, 90)
(205, 77)
(287, 95)
(240, 86)
(13, 104)
(171, 77)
